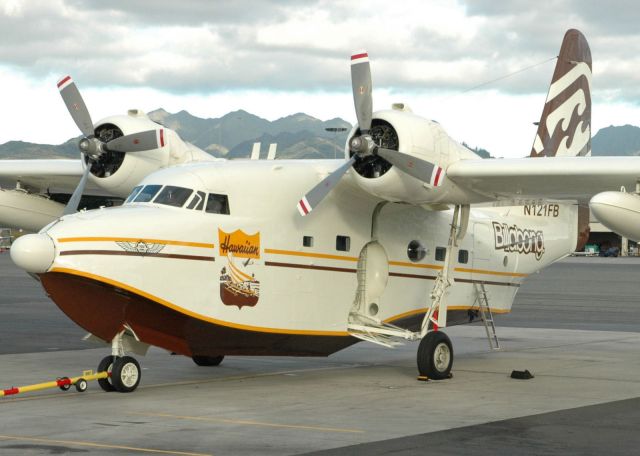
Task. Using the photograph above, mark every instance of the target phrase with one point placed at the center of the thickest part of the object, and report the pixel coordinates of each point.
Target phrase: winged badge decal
(141, 247)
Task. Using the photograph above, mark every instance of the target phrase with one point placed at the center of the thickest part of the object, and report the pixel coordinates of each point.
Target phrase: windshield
(133, 194)
(147, 194)
(173, 196)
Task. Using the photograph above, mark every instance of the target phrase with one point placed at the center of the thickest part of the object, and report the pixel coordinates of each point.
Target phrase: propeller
(364, 146)
(91, 146)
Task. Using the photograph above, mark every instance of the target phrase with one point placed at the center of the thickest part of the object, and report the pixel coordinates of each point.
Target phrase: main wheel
(207, 360)
(435, 356)
(106, 365)
(125, 375)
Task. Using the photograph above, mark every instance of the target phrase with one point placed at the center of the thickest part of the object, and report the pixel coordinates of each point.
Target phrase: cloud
(206, 46)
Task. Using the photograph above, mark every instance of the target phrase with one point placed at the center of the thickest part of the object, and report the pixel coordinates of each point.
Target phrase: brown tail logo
(565, 126)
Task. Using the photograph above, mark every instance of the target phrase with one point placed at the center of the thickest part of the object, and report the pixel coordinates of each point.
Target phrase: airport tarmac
(575, 326)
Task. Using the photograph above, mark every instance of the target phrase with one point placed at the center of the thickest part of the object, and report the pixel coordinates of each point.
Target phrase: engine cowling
(401, 130)
(118, 172)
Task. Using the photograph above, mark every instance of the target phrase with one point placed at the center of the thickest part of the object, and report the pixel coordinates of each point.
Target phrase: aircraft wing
(575, 178)
(57, 176)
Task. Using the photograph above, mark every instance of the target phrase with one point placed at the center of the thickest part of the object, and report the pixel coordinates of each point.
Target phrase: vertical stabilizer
(565, 125)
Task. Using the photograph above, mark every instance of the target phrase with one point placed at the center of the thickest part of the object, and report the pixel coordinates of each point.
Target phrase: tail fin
(565, 125)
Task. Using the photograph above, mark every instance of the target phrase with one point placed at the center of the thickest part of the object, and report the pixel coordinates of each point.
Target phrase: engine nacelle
(618, 211)
(119, 172)
(404, 131)
(27, 211)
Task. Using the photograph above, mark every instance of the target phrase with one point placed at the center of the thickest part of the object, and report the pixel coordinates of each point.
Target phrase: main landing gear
(124, 371)
(435, 352)
(435, 356)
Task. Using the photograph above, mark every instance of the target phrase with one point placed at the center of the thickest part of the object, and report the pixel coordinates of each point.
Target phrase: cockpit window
(173, 196)
(198, 201)
(147, 194)
(217, 204)
(133, 194)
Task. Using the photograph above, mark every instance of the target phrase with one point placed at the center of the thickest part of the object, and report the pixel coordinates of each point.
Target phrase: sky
(275, 58)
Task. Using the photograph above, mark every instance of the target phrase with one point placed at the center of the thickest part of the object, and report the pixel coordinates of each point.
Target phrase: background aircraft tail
(565, 125)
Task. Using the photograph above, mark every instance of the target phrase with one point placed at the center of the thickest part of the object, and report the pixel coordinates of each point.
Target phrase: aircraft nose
(33, 252)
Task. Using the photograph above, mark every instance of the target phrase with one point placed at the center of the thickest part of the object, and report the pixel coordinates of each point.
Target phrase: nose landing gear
(124, 371)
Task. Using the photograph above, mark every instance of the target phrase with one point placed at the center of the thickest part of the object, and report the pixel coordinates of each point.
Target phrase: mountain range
(298, 136)
(232, 136)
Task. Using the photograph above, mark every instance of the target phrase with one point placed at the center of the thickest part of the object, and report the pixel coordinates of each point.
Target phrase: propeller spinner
(364, 145)
(91, 146)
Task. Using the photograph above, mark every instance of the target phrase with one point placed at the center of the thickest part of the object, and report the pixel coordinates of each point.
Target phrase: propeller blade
(74, 201)
(361, 85)
(75, 104)
(322, 189)
(138, 142)
(420, 169)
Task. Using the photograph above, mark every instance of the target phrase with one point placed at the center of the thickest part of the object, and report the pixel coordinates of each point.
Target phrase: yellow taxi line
(82, 443)
(247, 422)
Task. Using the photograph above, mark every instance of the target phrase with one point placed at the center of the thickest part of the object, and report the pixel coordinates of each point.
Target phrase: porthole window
(463, 256)
(441, 253)
(307, 241)
(416, 251)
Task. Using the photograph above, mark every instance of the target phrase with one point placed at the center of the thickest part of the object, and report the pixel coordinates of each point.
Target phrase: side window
(463, 256)
(343, 243)
(173, 196)
(197, 202)
(217, 204)
(147, 194)
(441, 252)
(133, 194)
(307, 241)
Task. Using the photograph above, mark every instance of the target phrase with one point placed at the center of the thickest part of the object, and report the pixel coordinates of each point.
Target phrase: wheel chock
(423, 378)
(64, 383)
(522, 375)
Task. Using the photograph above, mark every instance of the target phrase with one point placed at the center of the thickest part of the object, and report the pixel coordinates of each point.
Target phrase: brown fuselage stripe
(142, 254)
(308, 266)
(392, 274)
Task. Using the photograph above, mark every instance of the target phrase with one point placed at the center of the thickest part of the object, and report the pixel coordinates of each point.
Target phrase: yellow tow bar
(64, 383)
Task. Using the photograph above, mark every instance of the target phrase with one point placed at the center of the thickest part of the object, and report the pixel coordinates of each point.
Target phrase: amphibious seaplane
(410, 233)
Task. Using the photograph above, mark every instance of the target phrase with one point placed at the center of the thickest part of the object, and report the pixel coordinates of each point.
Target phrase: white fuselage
(289, 275)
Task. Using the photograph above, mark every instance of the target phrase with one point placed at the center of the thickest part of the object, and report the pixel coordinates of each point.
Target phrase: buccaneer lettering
(510, 238)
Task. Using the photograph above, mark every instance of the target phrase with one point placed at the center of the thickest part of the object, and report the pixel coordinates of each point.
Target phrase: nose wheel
(435, 356)
(124, 373)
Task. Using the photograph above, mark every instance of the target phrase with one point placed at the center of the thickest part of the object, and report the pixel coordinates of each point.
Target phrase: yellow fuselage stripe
(290, 253)
(310, 255)
(149, 241)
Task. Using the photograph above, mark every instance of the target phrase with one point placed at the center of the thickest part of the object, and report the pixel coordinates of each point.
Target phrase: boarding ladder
(487, 316)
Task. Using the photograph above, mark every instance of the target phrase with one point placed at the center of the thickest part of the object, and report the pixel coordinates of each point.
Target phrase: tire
(81, 385)
(435, 356)
(106, 365)
(125, 375)
(208, 360)
(66, 386)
